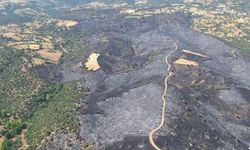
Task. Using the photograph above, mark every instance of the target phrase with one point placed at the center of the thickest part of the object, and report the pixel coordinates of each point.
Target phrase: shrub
(8, 134)
(10, 145)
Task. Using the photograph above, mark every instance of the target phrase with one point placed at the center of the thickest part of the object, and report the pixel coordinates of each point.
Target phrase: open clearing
(66, 23)
(183, 61)
(37, 61)
(92, 63)
(50, 55)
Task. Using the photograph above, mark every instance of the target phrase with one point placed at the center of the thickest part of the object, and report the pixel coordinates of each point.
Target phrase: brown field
(34, 46)
(92, 63)
(37, 61)
(182, 61)
(13, 36)
(22, 45)
(50, 55)
(47, 45)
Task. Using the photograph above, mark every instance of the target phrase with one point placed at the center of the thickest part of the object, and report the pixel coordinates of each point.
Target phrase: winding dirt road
(164, 96)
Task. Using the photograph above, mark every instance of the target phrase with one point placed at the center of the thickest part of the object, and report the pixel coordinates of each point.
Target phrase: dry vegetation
(228, 25)
(1, 141)
(24, 46)
(199, 1)
(13, 36)
(37, 61)
(66, 23)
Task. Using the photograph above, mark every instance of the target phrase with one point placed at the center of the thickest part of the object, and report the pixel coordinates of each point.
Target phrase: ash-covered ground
(207, 105)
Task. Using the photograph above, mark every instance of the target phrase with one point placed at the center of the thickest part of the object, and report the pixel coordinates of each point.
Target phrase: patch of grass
(57, 114)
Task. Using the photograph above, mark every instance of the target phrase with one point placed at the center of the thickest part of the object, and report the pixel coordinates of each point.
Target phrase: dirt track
(23, 141)
(164, 102)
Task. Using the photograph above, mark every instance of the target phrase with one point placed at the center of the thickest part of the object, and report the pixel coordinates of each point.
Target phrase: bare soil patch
(37, 61)
(23, 141)
(13, 36)
(50, 55)
(66, 23)
(182, 61)
(92, 63)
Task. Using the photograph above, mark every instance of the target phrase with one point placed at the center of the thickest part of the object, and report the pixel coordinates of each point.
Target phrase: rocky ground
(207, 105)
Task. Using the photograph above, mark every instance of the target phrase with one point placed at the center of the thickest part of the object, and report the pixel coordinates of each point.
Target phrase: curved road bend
(164, 96)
